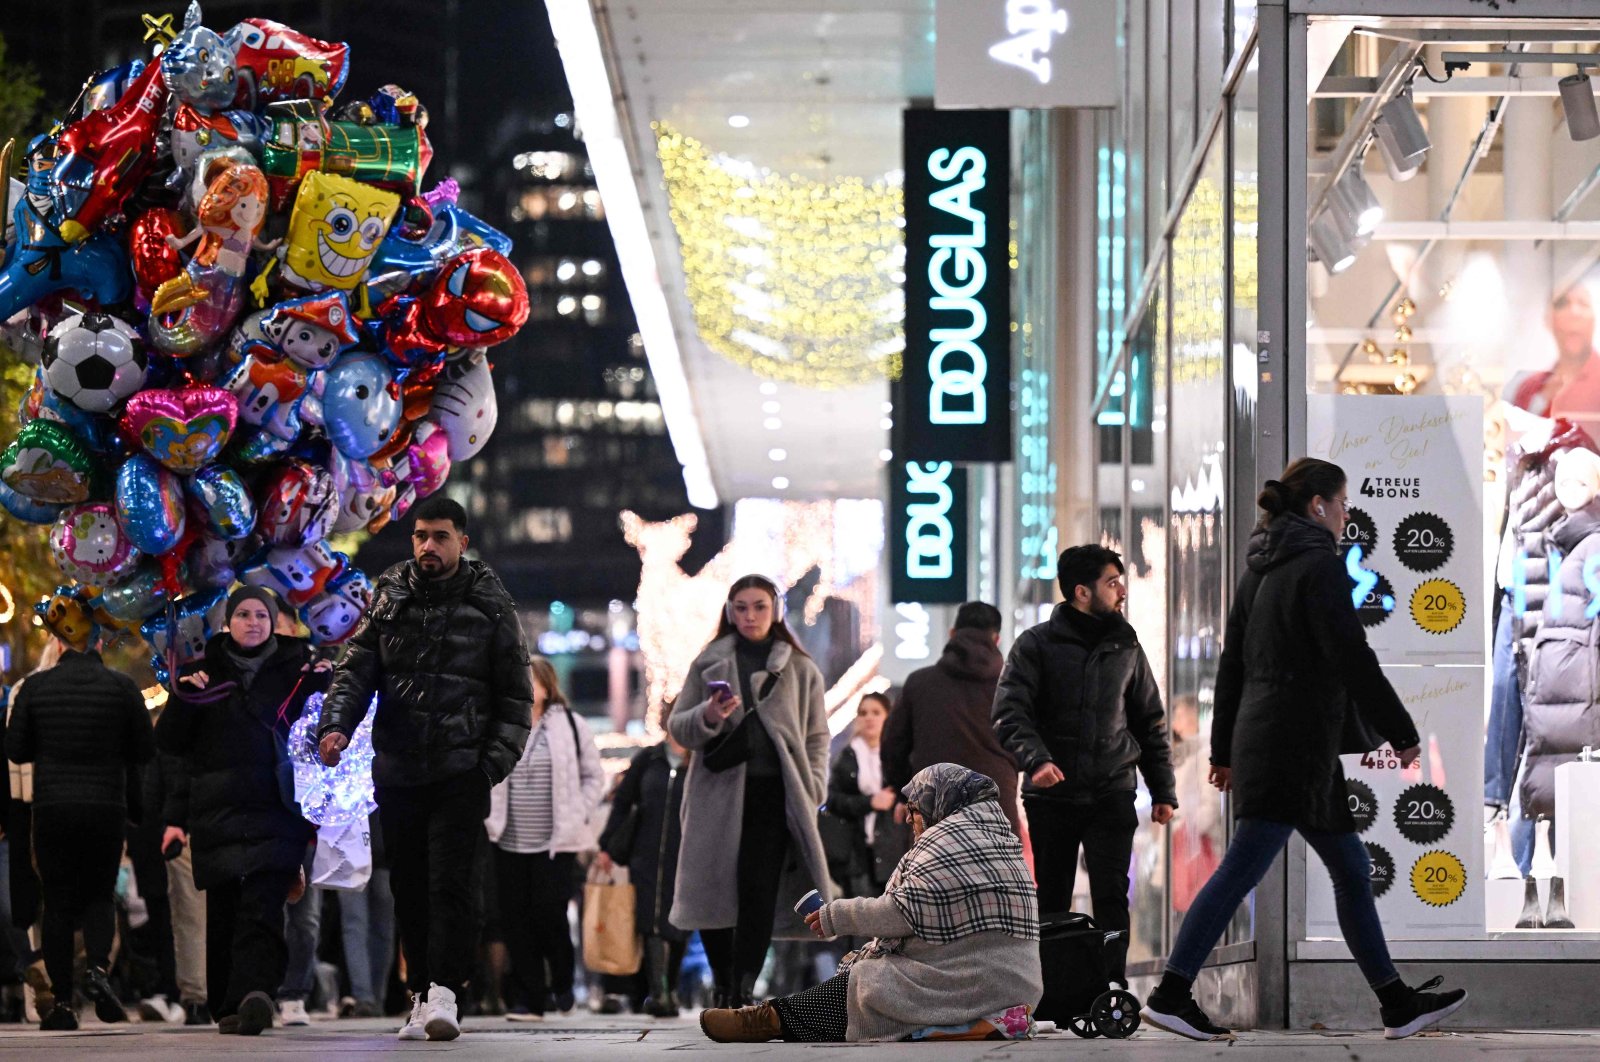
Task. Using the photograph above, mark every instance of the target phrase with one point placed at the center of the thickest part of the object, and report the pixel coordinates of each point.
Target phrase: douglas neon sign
(955, 396)
(928, 532)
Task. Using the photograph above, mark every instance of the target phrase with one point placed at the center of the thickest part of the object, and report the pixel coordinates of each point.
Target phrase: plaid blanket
(965, 874)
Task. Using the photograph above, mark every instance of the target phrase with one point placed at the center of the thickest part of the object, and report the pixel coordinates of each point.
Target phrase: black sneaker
(99, 991)
(60, 1019)
(1182, 1017)
(228, 1026)
(255, 1014)
(1420, 1011)
(195, 1012)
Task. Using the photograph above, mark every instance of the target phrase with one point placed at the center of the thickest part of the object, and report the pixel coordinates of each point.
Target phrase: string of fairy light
(798, 280)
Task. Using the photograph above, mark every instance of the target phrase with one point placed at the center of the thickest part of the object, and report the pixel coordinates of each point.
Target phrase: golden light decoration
(794, 279)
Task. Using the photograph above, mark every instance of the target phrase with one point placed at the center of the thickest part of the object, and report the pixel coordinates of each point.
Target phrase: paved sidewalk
(580, 1038)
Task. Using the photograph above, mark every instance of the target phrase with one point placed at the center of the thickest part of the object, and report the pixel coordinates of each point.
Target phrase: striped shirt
(530, 809)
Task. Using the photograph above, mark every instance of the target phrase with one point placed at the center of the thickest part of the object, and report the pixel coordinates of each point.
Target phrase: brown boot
(747, 1025)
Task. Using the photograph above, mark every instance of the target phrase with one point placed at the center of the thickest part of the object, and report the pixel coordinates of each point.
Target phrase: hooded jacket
(1561, 713)
(448, 662)
(1531, 510)
(942, 716)
(1294, 660)
(1090, 706)
(227, 796)
(83, 727)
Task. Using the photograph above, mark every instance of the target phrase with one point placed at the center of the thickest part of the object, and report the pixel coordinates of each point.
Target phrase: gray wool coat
(922, 984)
(707, 891)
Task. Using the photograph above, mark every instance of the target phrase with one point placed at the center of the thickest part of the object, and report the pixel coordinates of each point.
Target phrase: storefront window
(1198, 428)
(1145, 555)
(1244, 22)
(1446, 281)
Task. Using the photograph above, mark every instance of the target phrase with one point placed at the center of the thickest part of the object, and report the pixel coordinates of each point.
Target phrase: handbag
(610, 943)
(729, 750)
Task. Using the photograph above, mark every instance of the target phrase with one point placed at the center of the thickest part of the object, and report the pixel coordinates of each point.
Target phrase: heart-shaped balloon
(91, 547)
(150, 504)
(48, 463)
(183, 429)
(220, 494)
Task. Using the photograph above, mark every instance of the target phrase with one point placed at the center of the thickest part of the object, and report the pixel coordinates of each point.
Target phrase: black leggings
(819, 1015)
(736, 955)
(535, 889)
(78, 850)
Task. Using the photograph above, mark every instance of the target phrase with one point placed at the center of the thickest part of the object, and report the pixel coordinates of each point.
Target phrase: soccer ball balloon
(94, 361)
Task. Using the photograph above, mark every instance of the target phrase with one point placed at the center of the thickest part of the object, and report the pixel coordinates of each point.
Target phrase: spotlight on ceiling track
(1404, 141)
(1335, 250)
(1359, 209)
(1577, 103)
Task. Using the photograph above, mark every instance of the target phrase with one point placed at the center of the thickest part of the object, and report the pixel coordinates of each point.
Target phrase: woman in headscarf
(955, 948)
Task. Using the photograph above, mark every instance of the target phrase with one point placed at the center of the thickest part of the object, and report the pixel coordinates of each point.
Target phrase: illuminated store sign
(927, 532)
(954, 403)
(1026, 53)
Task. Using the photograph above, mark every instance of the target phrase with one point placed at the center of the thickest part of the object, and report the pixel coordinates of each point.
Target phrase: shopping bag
(610, 944)
(343, 857)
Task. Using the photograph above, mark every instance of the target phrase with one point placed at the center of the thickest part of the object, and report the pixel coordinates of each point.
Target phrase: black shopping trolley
(1078, 992)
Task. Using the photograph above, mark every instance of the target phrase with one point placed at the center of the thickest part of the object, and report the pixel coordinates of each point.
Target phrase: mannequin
(1560, 713)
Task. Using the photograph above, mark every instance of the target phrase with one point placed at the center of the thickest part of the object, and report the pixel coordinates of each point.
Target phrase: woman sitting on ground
(955, 953)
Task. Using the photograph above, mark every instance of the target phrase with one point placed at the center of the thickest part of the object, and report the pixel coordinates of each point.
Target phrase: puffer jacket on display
(1295, 659)
(83, 727)
(1560, 710)
(449, 664)
(1093, 710)
(1531, 510)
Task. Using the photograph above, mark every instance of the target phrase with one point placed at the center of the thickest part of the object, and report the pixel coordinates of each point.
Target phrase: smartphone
(719, 690)
(173, 850)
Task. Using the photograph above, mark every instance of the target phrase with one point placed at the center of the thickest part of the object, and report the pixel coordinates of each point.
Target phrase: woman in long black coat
(228, 718)
(642, 833)
(1295, 661)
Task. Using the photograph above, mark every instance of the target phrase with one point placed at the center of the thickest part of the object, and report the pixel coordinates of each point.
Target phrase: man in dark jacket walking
(442, 649)
(1079, 711)
(943, 712)
(83, 727)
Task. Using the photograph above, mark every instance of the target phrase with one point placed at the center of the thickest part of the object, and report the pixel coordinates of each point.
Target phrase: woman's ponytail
(1304, 479)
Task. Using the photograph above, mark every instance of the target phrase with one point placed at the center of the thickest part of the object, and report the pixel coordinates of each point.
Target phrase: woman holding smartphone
(751, 713)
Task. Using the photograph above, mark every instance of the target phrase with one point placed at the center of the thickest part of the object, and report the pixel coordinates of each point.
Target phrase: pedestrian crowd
(891, 884)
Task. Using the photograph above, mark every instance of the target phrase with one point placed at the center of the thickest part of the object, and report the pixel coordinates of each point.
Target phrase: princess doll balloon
(193, 311)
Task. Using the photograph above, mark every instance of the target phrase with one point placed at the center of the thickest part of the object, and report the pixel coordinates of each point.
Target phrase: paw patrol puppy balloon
(295, 573)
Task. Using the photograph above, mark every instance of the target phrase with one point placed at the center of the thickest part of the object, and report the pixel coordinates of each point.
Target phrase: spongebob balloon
(334, 231)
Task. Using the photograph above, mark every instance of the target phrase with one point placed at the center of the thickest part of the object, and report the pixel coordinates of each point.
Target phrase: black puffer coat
(1091, 709)
(1562, 700)
(865, 868)
(228, 795)
(82, 726)
(1294, 658)
(450, 667)
(650, 795)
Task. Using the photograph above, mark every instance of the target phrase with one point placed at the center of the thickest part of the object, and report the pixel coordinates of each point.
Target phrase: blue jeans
(1256, 843)
(368, 922)
(302, 927)
(1502, 745)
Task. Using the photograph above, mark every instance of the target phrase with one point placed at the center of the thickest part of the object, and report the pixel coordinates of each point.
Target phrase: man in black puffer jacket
(83, 727)
(442, 649)
(1079, 710)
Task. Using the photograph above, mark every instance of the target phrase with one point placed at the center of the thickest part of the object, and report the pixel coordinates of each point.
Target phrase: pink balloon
(183, 429)
(91, 547)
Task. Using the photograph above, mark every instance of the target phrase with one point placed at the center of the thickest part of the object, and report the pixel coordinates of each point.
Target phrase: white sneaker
(293, 1012)
(158, 1009)
(413, 1028)
(440, 1019)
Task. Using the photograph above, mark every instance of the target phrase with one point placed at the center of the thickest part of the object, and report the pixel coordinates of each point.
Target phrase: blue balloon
(199, 616)
(150, 504)
(360, 404)
(25, 508)
(221, 494)
(135, 598)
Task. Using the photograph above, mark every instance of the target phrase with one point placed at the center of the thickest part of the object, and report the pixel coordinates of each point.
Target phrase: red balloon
(154, 262)
(104, 155)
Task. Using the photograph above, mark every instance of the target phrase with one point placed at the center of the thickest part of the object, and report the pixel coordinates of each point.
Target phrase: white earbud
(1321, 511)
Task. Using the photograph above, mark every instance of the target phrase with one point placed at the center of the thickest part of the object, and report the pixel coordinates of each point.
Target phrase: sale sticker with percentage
(1424, 814)
(1382, 868)
(1438, 878)
(1363, 804)
(1438, 606)
(1423, 542)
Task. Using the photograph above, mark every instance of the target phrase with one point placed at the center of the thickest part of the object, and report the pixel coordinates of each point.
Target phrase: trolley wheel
(1082, 1026)
(1115, 1014)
